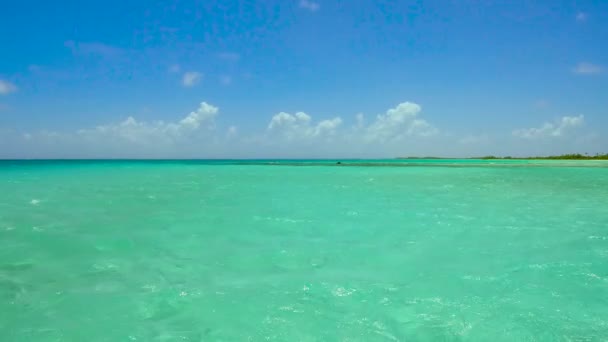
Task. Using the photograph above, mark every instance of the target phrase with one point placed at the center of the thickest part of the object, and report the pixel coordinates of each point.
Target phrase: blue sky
(302, 78)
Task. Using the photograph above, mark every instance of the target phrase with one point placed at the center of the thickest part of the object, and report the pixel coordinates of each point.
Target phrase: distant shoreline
(346, 160)
(559, 157)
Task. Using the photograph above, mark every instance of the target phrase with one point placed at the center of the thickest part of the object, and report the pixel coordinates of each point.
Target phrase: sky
(302, 78)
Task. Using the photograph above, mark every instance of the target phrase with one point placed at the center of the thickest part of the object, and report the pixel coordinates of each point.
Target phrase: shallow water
(233, 251)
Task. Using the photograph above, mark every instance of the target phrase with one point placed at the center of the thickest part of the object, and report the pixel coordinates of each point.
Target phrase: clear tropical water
(303, 251)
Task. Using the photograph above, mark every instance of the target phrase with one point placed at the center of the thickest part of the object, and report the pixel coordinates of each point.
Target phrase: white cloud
(581, 16)
(385, 134)
(191, 78)
(204, 114)
(327, 127)
(194, 135)
(287, 120)
(398, 123)
(152, 133)
(586, 68)
(400, 131)
(310, 5)
(298, 126)
(7, 87)
(551, 130)
(225, 80)
(174, 69)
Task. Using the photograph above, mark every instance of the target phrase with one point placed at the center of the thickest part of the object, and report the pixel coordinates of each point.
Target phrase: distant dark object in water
(339, 163)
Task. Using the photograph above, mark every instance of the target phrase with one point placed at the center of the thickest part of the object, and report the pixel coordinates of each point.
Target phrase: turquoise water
(304, 251)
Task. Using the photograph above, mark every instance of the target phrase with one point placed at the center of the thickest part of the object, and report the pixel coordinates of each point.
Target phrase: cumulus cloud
(193, 135)
(191, 78)
(399, 131)
(298, 126)
(153, 133)
(586, 68)
(399, 122)
(395, 132)
(551, 130)
(7, 87)
(327, 127)
(395, 125)
(204, 114)
(310, 5)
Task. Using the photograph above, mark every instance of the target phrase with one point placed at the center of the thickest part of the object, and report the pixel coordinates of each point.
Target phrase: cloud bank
(399, 131)
(556, 129)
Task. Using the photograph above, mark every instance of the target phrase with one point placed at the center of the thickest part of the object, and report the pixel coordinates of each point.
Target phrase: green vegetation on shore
(575, 156)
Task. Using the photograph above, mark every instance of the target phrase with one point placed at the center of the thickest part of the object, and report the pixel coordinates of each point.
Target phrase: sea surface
(385, 250)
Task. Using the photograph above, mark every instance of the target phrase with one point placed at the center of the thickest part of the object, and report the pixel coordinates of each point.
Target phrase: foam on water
(248, 250)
